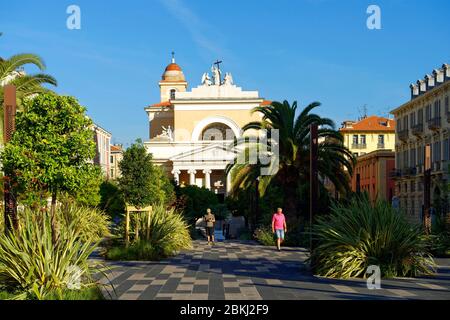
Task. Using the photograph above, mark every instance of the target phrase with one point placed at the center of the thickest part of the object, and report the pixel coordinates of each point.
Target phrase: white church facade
(189, 131)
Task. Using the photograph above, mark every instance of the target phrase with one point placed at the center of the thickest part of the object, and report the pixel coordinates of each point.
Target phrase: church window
(217, 131)
(172, 94)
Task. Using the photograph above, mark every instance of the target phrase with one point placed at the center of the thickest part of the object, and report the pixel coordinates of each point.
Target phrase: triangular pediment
(214, 152)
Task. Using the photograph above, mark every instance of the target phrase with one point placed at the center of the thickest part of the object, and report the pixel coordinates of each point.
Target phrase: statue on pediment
(216, 75)
(206, 80)
(228, 80)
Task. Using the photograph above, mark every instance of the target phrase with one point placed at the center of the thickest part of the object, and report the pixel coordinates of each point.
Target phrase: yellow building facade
(369, 134)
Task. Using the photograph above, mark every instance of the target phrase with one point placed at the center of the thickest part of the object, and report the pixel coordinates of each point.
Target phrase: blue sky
(304, 50)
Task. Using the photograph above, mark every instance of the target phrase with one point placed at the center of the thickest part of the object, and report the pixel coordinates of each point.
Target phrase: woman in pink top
(279, 226)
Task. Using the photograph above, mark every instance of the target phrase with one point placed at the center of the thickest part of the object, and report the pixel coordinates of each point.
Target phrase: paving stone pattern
(244, 270)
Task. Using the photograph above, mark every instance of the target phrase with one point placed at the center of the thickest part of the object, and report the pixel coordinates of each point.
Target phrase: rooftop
(372, 123)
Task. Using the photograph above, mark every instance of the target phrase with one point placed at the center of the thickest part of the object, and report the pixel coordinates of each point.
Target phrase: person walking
(210, 221)
(279, 227)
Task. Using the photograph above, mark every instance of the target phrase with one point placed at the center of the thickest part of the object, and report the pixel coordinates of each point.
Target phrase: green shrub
(92, 224)
(30, 263)
(361, 234)
(265, 236)
(193, 201)
(168, 234)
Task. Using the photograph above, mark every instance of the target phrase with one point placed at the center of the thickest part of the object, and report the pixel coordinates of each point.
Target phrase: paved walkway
(243, 270)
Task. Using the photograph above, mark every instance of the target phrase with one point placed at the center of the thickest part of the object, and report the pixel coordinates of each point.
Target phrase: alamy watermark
(374, 280)
(74, 278)
(261, 149)
(73, 21)
(374, 20)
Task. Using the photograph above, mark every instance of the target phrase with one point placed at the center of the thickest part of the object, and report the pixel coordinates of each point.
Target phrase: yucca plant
(30, 263)
(92, 224)
(361, 234)
(168, 232)
(167, 235)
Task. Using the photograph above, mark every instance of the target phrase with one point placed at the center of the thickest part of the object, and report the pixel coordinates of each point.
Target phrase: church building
(189, 131)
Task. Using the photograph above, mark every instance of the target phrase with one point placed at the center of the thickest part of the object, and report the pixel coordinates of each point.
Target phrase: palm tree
(27, 86)
(335, 161)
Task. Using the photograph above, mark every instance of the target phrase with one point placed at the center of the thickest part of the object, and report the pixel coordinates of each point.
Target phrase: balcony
(403, 134)
(396, 173)
(359, 146)
(434, 123)
(417, 129)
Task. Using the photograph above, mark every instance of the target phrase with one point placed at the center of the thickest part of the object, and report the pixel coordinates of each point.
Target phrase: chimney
(438, 76)
(429, 81)
(446, 69)
(422, 86)
(414, 90)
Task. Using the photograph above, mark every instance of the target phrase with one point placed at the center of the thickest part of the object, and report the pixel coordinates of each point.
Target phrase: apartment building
(422, 121)
(368, 134)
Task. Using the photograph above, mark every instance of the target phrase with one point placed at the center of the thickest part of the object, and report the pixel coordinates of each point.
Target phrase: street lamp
(257, 200)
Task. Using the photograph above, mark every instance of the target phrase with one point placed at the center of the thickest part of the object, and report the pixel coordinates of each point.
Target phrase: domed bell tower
(172, 81)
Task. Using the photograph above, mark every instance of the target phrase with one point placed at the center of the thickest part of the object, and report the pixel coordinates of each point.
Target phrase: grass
(137, 251)
(93, 293)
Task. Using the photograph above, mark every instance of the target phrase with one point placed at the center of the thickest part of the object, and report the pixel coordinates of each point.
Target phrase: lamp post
(427, 190)
(256, 201)
(9, 110)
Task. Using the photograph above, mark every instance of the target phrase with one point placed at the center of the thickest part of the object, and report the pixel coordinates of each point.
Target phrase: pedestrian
(279, 227)
(210, 221)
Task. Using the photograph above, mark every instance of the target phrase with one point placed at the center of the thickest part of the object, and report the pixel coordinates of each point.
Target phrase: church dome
(173, 72)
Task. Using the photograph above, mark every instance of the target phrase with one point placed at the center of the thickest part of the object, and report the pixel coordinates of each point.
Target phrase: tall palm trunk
(55, 227)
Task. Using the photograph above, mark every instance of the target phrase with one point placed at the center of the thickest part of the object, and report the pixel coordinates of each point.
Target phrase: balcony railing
(396, 173)
(380, 145)
(359, 146)
(403, 134)
(410, 171)
(417, 129)
(434, 123)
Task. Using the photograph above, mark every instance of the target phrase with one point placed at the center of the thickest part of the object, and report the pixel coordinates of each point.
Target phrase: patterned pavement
(244, 270)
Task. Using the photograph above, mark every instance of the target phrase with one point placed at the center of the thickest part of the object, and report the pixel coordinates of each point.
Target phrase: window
(445, 155)
(436, 151)
(355, 139)
(428, 112)
(381, 138)
(420, 116)
(112, 173)
(412, 119)
(363, 139)
(412, 157)
(405, 123)
(420, 155)
(405, 159)
(446, 105)
(172, 94)
(437, 108)
(111, 159)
